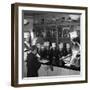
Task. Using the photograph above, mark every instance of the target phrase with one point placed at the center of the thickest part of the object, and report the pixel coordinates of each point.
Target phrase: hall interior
(53, 27)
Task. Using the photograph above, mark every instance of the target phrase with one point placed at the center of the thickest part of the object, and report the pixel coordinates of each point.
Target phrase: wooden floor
(45, 70)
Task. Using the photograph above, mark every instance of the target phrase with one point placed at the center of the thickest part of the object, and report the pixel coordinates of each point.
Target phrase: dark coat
(54, 56)
(61, 53)
(42, 54)
(77, 39)
(46, 54)
(32, 65)
(67, 52)
(38, 51)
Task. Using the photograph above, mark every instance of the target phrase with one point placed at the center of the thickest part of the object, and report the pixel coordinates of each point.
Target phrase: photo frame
(53, 25)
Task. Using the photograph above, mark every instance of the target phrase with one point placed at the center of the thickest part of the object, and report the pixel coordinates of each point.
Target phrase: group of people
(46, 52)
(55, 54)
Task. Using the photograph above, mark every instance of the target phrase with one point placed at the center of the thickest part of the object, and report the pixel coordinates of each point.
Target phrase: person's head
(34, 49)
(61, 46)
(38, 45)
(67, 45)
(53, 45)
(46, 45)
(42, 47)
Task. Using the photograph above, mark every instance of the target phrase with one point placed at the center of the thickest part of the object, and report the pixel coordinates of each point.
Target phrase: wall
(29, 27)
(5, 45)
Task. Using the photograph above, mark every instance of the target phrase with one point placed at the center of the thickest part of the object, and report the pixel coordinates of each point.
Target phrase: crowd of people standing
(53, 53)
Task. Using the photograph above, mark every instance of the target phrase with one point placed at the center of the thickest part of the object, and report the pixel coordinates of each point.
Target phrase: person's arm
(27, 44)
(37, 64)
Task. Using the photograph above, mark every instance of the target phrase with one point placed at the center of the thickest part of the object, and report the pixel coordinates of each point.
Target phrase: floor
(46, 70)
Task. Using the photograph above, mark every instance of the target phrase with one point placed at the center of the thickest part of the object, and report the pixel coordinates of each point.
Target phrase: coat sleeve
(37, 63)
(33, 63)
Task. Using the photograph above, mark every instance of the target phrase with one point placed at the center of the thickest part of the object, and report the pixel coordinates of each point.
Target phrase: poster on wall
(49, 44)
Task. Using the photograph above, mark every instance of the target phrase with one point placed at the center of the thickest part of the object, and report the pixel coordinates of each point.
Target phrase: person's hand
(68, 65)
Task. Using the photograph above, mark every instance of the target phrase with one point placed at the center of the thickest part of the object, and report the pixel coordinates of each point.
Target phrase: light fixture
(74, 17)
(26, 22)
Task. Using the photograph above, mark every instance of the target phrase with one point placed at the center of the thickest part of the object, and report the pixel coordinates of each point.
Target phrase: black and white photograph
(51, 44)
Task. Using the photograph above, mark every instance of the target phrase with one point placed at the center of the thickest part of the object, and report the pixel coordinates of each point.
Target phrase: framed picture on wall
(48, 44)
